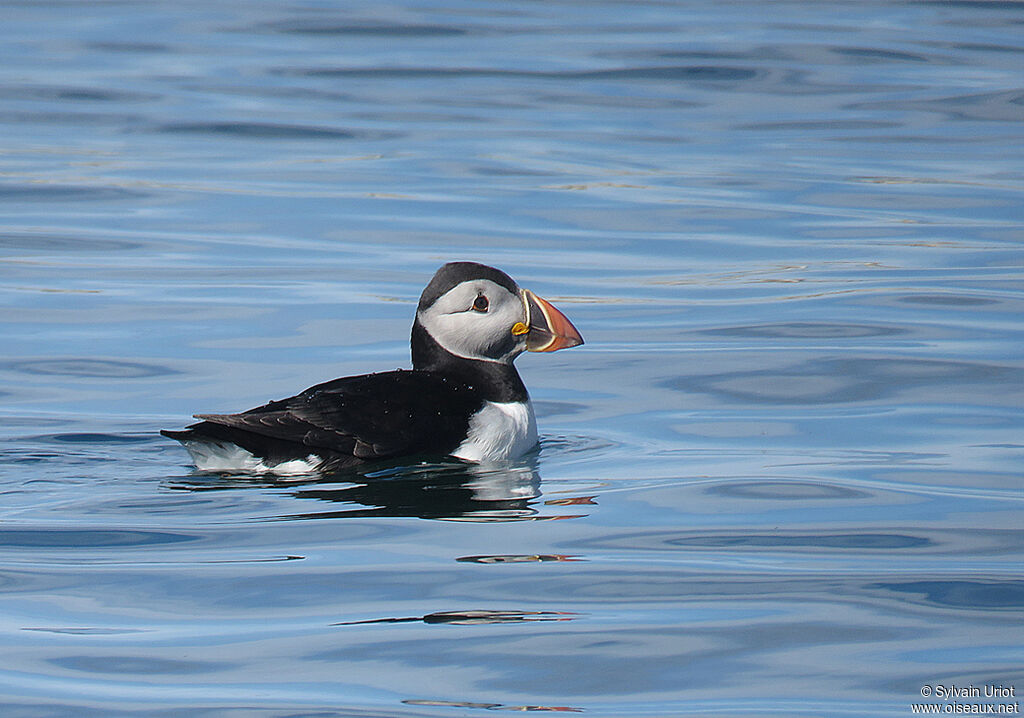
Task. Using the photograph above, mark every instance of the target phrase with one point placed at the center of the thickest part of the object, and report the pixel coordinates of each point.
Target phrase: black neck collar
(495, 381)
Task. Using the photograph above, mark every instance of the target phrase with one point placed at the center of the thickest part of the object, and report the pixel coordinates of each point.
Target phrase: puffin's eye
(480, 304)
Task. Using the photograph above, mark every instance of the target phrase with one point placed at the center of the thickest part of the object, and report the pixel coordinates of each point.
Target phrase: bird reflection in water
(493, 706)
(471, 618)
(452, 491)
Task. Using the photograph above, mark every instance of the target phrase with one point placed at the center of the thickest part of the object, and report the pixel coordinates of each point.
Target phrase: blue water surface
(783, 476)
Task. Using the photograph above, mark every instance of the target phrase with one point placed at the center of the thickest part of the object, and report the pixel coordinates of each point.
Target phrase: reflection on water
(470, 618)
(491, 706)
(516, 558)
(456, 491)
(791, 447)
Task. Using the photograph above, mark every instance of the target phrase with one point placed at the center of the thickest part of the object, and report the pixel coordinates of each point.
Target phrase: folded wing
(366, 417)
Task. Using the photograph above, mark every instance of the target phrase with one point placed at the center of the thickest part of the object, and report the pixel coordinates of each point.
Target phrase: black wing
(367, 417)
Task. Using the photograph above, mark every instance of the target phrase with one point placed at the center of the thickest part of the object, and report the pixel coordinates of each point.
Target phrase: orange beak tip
(552, 330)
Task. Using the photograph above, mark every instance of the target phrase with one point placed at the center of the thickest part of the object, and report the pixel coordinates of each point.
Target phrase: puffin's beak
(547, 329)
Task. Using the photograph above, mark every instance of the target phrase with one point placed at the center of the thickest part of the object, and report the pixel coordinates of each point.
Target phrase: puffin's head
(477, 312)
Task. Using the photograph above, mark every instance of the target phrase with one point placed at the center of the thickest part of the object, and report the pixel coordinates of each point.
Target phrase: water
(783, 477)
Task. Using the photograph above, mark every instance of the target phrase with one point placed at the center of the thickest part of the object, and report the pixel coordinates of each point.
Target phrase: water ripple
(136, 665)
(835, 380)
(86, 538)
(691, 73)
(87, 367)
(44, 192)
(267, 130)
(330, 27)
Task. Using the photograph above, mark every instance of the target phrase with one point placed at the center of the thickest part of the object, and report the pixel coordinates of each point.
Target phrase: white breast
(499, 432)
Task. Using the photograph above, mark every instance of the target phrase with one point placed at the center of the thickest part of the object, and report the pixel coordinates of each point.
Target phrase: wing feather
(368, 417)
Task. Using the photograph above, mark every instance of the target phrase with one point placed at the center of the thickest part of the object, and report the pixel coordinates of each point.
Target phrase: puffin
(463, 398)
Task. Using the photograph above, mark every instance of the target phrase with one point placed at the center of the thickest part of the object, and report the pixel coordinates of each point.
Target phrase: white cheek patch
(499, 432)
(472, 334)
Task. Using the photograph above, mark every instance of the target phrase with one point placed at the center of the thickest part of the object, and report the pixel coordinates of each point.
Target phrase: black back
(360, 418)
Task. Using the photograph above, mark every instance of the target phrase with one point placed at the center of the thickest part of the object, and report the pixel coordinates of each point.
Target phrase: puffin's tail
(183, 435)
(218, 448)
